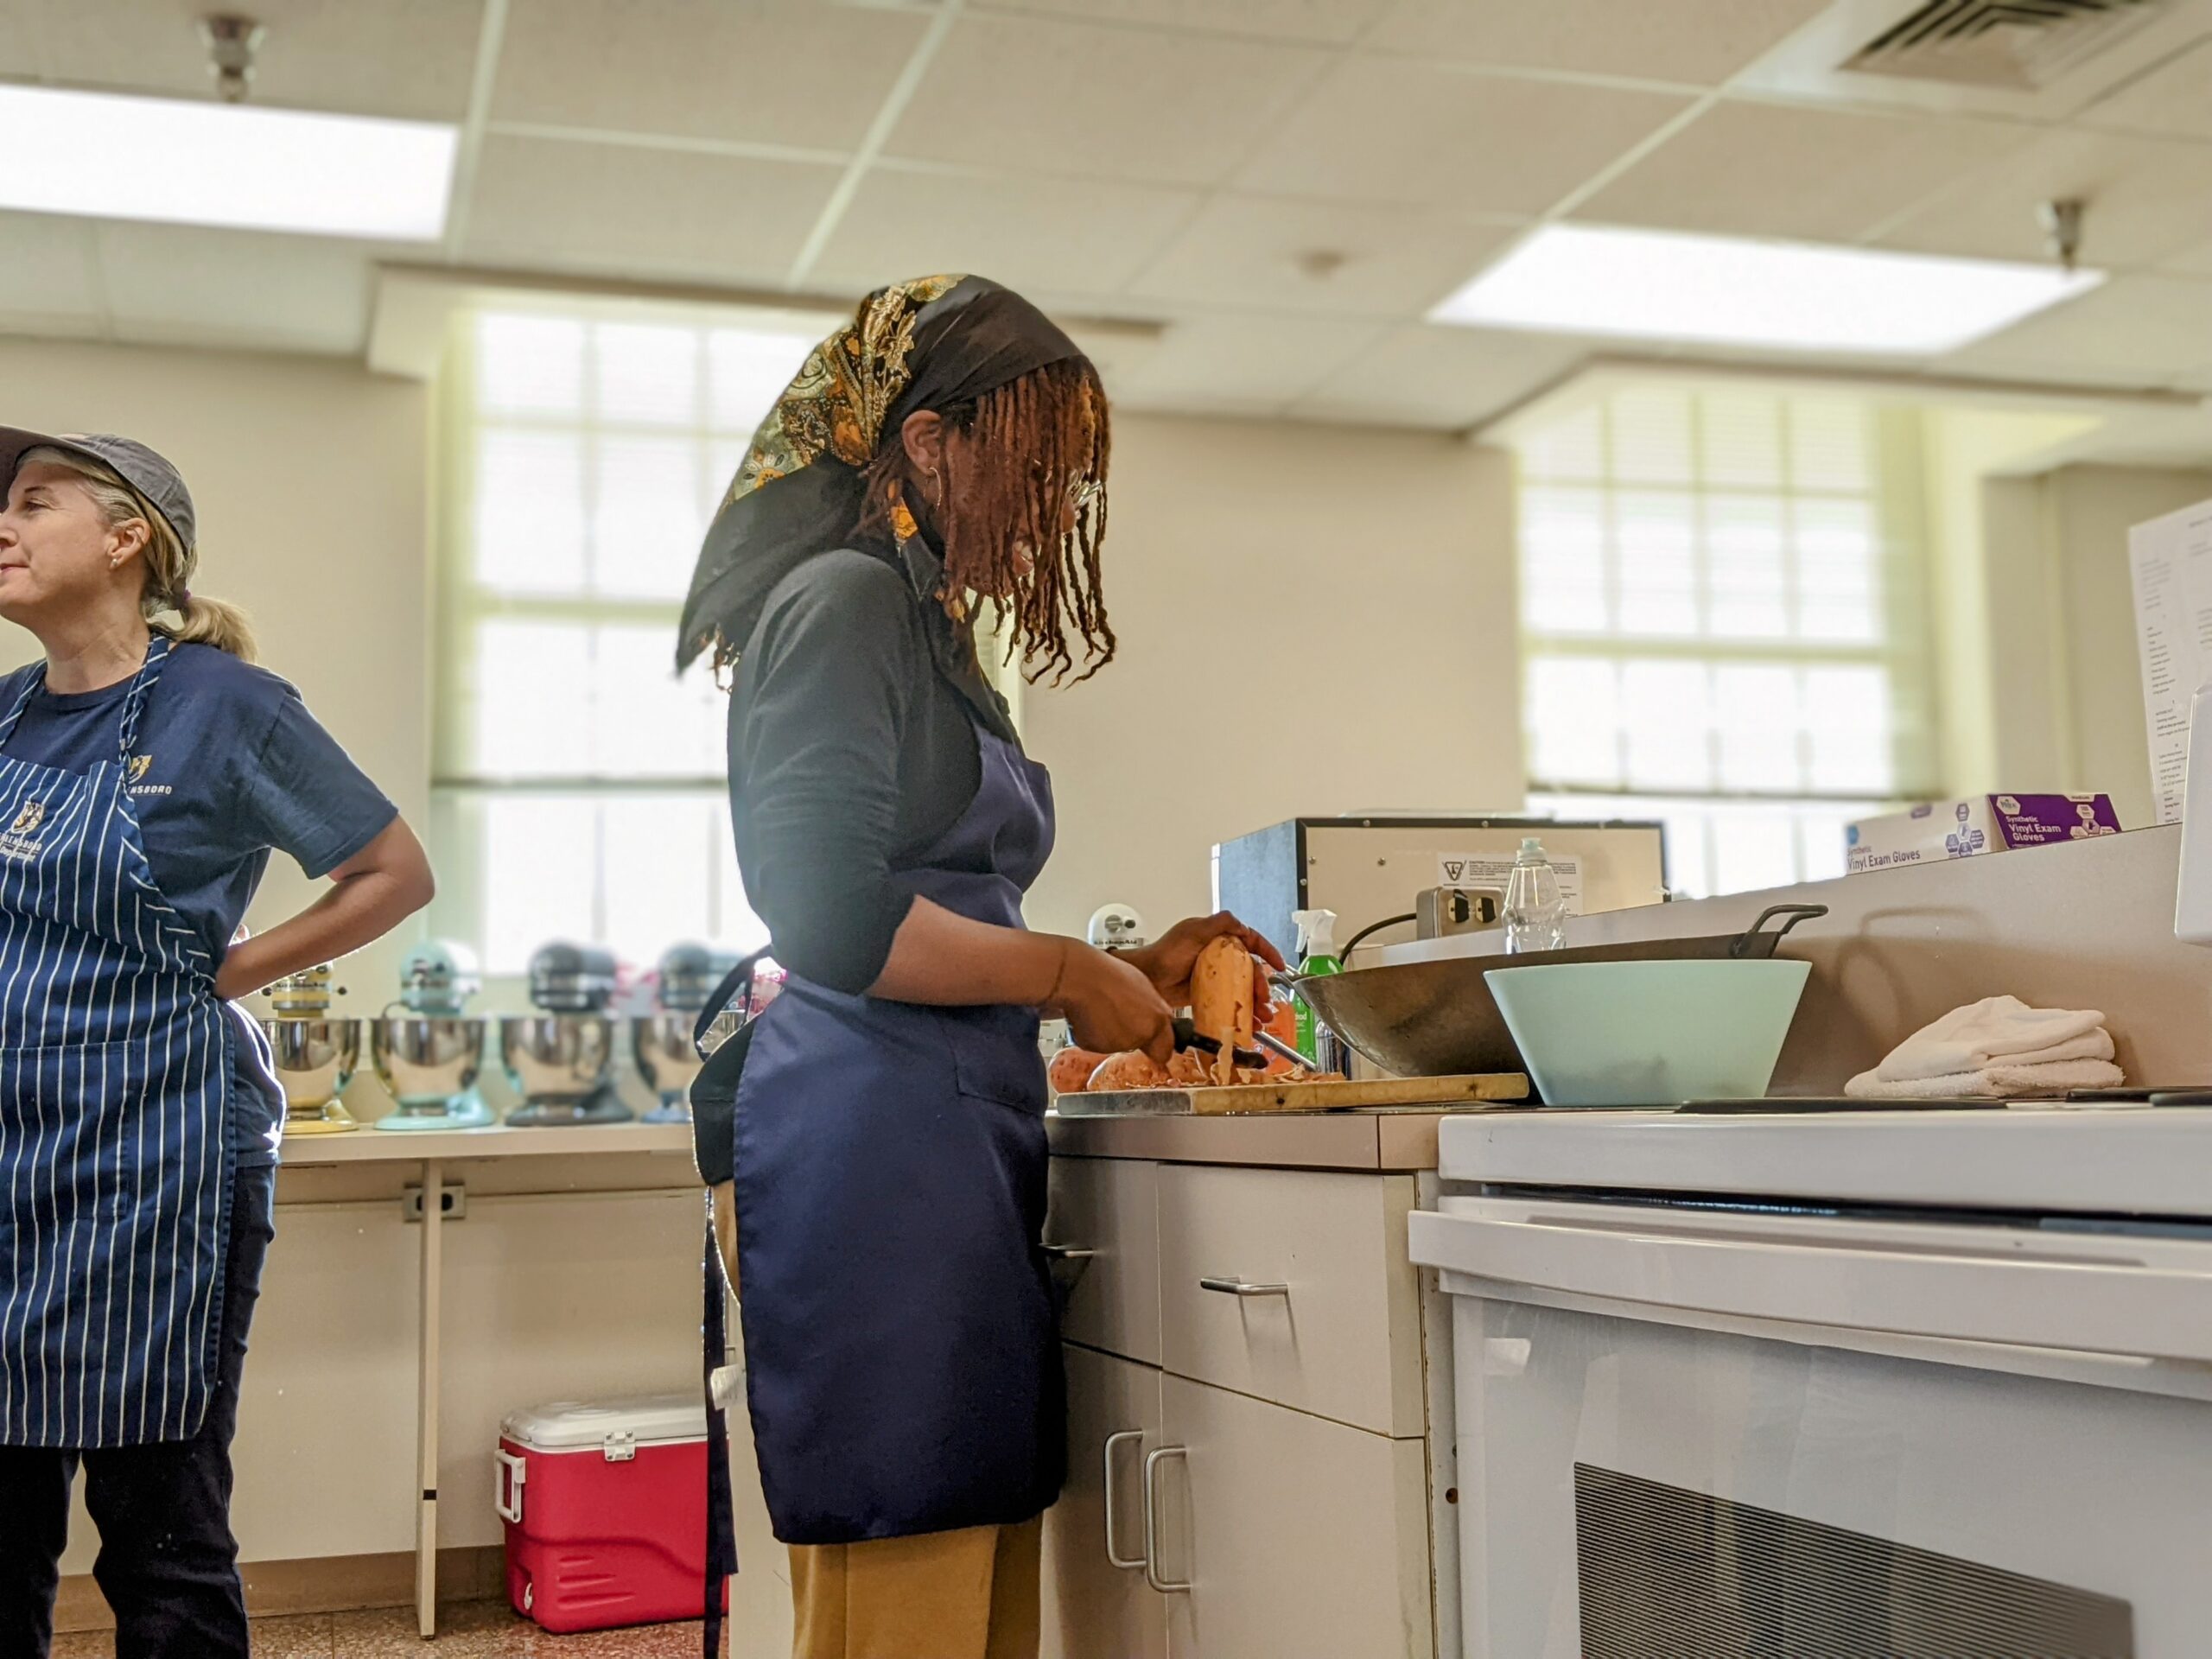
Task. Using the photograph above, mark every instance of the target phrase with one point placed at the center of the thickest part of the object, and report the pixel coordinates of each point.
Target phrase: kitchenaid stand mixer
(315, 1055)
(428, 1058)
(561, 1059)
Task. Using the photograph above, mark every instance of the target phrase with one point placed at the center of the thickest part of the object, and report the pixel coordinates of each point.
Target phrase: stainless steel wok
(1437, 1019)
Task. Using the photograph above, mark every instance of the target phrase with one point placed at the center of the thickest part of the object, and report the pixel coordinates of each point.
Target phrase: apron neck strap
(158, 650)
(134, 705)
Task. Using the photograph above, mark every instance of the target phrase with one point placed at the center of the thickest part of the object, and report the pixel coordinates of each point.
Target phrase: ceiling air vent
(2022, 44)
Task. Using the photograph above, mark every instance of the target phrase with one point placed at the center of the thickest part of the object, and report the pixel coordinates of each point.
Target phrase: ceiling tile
(1069, 236)
(1384, 129)
(1247, 250)
(1105, 102)
(48, 278)
(758, 71)
(624, 211)
(2133, 329)
(411, 57)
(2148, 198)
(1230, 364)
(181, 284)
(1328, 21)
(1779, 170)
(1428, 375)
(1702, 41)
(2174, 100)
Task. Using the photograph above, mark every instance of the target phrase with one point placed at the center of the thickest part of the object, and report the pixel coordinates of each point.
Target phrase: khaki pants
(970, 1594)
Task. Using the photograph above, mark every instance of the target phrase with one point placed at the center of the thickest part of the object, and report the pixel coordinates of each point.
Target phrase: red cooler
(606, 1507)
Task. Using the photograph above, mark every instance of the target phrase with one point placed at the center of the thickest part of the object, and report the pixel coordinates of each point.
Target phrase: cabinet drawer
(1299, 1538)
(1111, 1207)
(1335, 1330)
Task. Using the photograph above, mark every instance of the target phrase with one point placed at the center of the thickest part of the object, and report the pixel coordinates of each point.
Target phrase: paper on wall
(2170, 559)
(1491, 870)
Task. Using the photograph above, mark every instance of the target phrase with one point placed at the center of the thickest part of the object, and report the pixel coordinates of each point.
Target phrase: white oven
(1902, 1385)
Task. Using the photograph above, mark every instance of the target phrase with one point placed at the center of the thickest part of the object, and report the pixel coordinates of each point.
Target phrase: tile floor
(481, 1629)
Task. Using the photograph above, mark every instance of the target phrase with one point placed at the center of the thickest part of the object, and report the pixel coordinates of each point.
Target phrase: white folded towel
(2002, 1082)
(2000, 1031)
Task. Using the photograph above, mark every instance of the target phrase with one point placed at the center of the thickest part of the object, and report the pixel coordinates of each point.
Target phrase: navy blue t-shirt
(228, 765)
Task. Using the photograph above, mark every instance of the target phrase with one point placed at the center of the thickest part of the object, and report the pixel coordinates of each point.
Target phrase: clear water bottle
(1535, 910)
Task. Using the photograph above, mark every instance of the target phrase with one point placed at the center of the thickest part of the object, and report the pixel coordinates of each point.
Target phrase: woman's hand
(1168, 961)
(1110, 1005)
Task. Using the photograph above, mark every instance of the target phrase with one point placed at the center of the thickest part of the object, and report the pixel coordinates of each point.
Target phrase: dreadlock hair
(1032, 447)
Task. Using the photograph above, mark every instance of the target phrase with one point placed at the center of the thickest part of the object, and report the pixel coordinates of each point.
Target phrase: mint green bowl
(1650, 1033)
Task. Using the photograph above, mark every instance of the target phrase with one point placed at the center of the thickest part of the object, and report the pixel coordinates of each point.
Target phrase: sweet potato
(1222, 1002)
(1134, 1069)
(1071, 1069)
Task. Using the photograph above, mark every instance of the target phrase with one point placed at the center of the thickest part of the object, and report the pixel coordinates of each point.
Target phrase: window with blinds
(579, 784)
(1723, 625)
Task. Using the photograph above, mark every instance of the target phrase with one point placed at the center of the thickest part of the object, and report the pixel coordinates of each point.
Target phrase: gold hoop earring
(937, 494)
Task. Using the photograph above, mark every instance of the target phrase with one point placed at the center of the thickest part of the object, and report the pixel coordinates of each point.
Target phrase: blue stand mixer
(430, 1057)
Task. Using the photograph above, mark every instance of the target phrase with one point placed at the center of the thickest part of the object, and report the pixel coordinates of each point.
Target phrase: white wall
(2088, 511)
(1312, 620)
(309, 477)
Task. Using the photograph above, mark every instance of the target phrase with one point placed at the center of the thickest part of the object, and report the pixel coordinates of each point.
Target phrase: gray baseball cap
(144, 470)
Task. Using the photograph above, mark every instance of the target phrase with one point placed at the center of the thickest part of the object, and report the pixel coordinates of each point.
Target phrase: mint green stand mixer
(428, 1057)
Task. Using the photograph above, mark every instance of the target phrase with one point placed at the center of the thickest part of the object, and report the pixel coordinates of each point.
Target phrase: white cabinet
(1300, 1538)
(1280, 1282)
(1249, 1475)
(1107, 1209)
(1097, 1604)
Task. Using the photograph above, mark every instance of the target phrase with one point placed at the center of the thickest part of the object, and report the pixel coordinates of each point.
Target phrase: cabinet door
(1092, 1609)
(1111, 1207)
(1300, 1538)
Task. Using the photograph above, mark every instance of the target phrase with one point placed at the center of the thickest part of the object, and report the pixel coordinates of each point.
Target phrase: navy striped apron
(115, 1066)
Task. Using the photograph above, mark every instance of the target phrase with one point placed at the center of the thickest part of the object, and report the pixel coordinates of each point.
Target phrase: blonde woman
(147, 770)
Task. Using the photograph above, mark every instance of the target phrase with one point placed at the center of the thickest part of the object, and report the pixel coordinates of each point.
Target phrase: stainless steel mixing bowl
(314, 1058)
(426, 1060)
(661, 1045)
(557, 1057)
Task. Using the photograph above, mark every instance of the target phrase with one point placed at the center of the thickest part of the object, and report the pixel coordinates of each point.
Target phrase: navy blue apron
(901, 1341)
(115, 1066)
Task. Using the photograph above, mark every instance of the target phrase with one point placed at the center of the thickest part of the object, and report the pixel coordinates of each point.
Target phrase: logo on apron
(16, 844)
(134, 776)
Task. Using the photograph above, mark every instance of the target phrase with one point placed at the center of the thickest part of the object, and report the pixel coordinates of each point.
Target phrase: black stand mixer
(561, 1059)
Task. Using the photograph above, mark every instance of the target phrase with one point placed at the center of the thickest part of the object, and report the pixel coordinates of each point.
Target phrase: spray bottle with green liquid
(1317, 950)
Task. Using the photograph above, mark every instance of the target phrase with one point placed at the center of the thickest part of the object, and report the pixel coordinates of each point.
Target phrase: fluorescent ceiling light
(1667, 285)
(110, 156)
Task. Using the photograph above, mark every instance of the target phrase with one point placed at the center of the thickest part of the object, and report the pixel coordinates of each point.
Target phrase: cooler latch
(620, 1446)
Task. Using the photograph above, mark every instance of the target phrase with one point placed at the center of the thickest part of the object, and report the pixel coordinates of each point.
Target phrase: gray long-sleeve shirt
(852, 748)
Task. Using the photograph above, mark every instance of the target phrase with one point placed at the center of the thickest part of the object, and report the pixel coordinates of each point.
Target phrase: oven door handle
(2089, 1295)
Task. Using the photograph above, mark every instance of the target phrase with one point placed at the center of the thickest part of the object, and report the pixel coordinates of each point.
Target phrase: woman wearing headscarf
(147, 771)
(881, 1160)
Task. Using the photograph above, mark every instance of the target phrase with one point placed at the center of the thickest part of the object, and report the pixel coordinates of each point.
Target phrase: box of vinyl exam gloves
(1980, 824)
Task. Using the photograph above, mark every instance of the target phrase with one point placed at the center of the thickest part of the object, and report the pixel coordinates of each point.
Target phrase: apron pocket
(994, 1054)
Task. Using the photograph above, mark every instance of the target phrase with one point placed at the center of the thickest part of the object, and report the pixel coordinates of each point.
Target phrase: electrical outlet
(454, 1206)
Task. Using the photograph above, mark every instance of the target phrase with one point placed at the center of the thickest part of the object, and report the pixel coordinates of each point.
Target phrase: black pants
(167, 1564)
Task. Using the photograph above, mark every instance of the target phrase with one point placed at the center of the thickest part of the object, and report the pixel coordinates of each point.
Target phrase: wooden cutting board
(1496, 1088)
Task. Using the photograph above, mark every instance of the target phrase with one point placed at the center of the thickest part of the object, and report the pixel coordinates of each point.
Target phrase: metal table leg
(426, 1410)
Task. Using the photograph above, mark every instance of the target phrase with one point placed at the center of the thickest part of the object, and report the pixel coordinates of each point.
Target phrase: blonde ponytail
(169, 565)
(204, 622)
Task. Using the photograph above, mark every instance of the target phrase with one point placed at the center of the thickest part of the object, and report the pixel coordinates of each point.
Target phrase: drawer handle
(1152, 1462)
(1238, 1287)
(1112, 1558)
(1068, 1252)
(1066, 1264)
